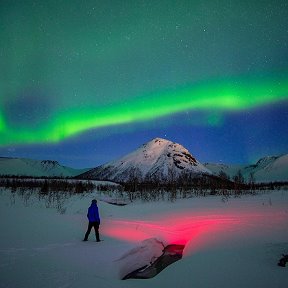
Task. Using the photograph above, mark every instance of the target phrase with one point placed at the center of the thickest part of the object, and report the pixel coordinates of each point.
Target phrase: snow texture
(140, 256)
(236, 243)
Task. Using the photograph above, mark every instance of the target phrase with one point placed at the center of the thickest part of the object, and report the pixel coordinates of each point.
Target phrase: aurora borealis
(77, 75)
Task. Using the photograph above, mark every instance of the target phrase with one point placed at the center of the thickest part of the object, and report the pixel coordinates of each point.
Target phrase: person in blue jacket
(94, 220)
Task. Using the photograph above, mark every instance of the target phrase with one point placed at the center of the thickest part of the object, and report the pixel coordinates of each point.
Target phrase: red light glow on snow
(178, 231)
(198, 231)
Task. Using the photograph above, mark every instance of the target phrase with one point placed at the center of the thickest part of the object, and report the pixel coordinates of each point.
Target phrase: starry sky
(85, 82)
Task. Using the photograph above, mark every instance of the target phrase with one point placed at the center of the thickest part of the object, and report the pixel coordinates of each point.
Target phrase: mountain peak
(266, 160)
(50, 162)
(157, 142)
(156, 158)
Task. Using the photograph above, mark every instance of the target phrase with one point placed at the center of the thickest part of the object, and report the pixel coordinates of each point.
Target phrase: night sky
(85, 82)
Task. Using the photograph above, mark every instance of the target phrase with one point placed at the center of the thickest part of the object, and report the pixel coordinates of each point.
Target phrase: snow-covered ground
(234, 243)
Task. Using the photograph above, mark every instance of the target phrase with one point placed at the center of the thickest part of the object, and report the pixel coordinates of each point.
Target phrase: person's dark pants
(96, 228)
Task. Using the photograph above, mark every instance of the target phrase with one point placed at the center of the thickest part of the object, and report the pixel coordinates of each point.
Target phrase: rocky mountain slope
(267, 169)
(158, 158)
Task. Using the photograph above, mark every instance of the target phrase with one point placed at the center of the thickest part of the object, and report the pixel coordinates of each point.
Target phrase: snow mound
(140, 256)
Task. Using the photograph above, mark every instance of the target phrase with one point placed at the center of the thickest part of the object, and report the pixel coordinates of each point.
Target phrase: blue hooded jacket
(93, 213)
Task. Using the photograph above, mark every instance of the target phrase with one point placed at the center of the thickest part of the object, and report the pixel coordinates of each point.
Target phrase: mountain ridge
(11, 166)
(266, 169)
(158, 157)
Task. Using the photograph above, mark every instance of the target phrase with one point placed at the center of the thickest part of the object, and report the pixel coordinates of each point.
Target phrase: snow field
(233, 244)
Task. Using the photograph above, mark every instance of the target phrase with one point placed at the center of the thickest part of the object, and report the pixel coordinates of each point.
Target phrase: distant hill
(36, 168)
(267, 169)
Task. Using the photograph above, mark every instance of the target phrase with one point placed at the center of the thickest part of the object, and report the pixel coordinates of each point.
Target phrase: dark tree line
(46, 185)
(52, 192)
(156, 186)
(152, 187)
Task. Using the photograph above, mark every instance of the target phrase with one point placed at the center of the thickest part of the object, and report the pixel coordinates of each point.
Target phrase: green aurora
(78, 76)
(217, 95)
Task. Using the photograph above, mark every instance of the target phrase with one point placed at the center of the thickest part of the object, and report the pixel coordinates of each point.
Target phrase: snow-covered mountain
(229, 169)
(267, 169)
(36, 168)
(157, 158)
